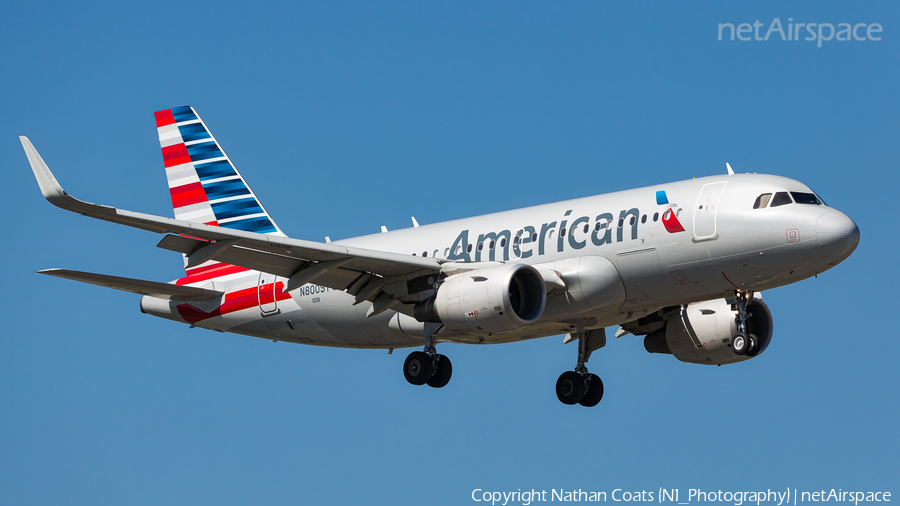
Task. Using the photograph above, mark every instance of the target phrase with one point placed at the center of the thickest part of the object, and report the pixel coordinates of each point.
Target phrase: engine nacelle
(702, 332)
(491, 300)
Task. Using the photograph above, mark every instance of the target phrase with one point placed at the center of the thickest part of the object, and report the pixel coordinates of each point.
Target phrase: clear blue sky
(348, 116)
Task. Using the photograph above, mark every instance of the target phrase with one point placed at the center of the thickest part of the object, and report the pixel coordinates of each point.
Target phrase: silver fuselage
(725, 244)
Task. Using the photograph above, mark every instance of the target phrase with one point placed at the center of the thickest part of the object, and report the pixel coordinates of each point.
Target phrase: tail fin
(204, 184)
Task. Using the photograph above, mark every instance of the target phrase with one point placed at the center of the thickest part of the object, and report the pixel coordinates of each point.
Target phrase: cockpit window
(781, 198)
(762, 201)
(821, 199)
(806, 198)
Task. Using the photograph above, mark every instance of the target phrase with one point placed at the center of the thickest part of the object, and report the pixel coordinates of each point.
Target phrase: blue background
(348, 116)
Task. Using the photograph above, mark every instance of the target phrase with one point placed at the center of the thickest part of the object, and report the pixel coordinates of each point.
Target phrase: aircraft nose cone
(835, 230)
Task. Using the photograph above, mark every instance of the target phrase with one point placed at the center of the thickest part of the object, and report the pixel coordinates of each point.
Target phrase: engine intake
(702, 333)
(494, 299)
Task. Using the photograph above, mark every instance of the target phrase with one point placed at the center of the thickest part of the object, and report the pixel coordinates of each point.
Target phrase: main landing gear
(428, 367)
(580, 386)
(743, 343)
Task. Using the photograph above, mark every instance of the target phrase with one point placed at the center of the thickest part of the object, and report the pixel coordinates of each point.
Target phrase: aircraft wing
(357, 270)
(152, 288)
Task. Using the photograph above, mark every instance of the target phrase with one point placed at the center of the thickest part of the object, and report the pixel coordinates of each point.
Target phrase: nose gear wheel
(743, 343)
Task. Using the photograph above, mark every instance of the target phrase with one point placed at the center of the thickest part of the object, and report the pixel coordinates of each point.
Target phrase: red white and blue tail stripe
(204, 184)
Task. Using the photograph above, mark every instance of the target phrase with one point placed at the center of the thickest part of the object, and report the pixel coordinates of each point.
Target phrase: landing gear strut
(428, 367)
(743, 343)
(580, 386)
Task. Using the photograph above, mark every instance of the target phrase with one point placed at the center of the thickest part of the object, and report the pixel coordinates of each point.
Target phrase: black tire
(570, 387)
(753, 349)
(442, 375)
(594, 392)
(740, 343)
(417, 368)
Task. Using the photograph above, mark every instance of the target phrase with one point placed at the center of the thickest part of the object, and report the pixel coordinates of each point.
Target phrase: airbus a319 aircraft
(681, 264)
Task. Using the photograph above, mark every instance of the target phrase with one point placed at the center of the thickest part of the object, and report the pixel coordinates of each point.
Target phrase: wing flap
(338, 278)
(156, 289)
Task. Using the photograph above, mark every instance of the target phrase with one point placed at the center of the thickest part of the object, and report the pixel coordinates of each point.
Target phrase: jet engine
(491, 300)
(702, 332)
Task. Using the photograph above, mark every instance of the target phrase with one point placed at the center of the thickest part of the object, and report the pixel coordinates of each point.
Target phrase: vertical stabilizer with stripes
(204, 184)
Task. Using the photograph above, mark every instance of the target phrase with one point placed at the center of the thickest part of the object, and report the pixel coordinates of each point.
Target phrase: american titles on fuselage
(530, 240)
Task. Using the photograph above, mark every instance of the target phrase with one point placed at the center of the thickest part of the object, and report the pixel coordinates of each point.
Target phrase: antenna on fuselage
(730, 170)
(383, 229)
(415, 223)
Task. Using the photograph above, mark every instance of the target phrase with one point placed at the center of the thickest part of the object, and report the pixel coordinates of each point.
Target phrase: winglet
(730, 170)
(50, 187)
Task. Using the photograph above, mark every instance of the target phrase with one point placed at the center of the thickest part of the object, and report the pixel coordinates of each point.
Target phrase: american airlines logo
(794, 31)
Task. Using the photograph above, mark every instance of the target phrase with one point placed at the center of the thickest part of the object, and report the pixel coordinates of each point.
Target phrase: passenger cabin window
(806, 198)
(762, 201)
(781, 198)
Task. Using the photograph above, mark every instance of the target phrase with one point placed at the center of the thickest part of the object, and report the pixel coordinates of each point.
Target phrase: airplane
(681, 264)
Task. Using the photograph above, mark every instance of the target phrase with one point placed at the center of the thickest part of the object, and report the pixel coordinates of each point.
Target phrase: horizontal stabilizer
(152, 288)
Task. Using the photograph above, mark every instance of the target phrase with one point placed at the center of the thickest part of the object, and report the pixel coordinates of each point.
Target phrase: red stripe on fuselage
(164, 118)
(175, 154)
(209, 272)
(205, 268)
(236, 301)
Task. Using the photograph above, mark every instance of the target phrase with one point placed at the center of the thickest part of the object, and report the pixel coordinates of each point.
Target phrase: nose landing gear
(428, 367)
(580, 386)
(743, 343)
